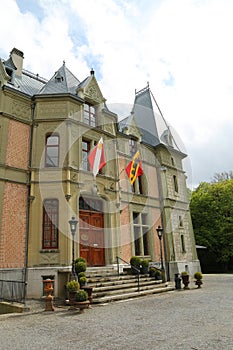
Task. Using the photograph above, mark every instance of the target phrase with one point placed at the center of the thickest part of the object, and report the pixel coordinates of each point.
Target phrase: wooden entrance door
(91, 232)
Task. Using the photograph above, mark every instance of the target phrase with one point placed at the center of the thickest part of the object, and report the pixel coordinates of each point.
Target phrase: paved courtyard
(195, 319)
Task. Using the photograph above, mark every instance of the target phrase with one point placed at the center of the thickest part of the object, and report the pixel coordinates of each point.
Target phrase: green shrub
(144, 266)
(158, 274)
(80, 266)
(81, 274)
(80, 259)
(82, 280)
(198, 276)
(184, 273)
(135, 261)
(145, 263)
(152, 271)
(72, 286)
(81, 295)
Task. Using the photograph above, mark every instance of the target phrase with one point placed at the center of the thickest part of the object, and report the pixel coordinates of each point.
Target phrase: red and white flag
(96, 157)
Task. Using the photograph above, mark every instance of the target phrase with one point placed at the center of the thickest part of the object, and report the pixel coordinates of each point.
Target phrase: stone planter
(185, 280)
(198, 283)
(82, 305)
(72, 299)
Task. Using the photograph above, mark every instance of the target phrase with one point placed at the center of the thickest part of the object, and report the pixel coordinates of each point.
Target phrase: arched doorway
(91, 231)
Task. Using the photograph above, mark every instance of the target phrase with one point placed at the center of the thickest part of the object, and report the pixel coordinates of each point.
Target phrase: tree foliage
(223, 176)
(212, 216)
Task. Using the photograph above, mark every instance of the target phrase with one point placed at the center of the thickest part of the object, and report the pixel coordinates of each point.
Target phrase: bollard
(177, 281)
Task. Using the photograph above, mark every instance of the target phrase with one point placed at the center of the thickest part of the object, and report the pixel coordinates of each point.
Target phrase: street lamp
(73, 226)
(160, 235)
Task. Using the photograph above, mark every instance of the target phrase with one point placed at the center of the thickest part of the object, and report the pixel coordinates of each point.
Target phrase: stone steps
(107, 286)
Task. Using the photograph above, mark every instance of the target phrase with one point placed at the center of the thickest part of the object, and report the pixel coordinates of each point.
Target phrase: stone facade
(47, 130)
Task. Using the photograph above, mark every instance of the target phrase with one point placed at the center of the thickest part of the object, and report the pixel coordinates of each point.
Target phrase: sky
(182, 48)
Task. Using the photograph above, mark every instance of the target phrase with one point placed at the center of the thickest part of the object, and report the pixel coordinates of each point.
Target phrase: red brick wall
(18, 145)
(13, 230)
(126, 235)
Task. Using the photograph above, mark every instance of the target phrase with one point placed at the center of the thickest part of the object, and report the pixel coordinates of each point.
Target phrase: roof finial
(92, 71)
(64, 62)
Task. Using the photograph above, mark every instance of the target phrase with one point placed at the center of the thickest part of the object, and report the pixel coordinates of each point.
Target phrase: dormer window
(90, 116)
(10, 73)
(58, 78)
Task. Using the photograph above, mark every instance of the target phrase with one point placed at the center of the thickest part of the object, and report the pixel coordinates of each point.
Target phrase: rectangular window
(90, 117)
(137, 186)
(181, 221)
(137, 240)
(182, 243)
(132, 147)
(50, 224)
(52, 151)
(175, 182)
(85, 150)
(141, 234)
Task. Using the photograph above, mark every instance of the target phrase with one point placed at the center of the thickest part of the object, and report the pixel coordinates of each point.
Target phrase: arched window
(50, 224)
(52, 151)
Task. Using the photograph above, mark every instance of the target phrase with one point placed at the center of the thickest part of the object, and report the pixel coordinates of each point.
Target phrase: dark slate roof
(29, 83)
(144, 117)
(150, 121)
(63, 81)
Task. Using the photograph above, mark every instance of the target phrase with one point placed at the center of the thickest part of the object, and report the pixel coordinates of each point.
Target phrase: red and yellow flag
(134, 168)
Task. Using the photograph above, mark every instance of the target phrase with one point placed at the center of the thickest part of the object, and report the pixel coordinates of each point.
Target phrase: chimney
(17, 57)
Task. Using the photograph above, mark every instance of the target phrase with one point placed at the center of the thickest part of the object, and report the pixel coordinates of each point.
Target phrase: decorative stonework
(93, 93)
(20, 109)
(48, 258)
(52, 110)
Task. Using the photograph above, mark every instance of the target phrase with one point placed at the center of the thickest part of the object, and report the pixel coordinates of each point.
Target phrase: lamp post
(73, 226)
(160, 235)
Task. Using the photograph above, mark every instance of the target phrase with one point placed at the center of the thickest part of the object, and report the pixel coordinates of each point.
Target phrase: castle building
(48, 128)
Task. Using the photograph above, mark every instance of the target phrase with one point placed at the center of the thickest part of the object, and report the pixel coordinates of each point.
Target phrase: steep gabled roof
(144, 117)
(153, 127)
(63, 81)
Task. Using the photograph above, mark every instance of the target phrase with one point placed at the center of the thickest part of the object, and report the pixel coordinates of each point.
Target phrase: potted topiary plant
(80, 266)
(158, 275)
(81, 300)
(144, 266)
(152, 271)
(72, 288)
(198, 278)
(185, 279)
(135, 263)
(82, 281)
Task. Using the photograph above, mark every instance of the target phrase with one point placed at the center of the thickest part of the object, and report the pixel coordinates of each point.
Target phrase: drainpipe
(160, 169)
(25, 270)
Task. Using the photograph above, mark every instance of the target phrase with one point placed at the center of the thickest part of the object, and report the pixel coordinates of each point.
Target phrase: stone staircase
(108, 286)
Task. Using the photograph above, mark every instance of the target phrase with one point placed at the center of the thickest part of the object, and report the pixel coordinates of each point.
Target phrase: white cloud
(184, 42)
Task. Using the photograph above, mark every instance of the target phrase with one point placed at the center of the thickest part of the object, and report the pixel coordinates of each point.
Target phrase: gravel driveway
(194, 319)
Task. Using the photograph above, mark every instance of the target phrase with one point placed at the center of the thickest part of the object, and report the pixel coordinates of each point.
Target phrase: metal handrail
(133, 267)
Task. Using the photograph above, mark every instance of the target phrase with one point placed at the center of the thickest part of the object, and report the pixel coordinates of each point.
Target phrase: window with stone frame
(138, 186)
(52, 151)
(50, 224)
(175, 183)
(132, 147)
(141, 234)
(90, 114)
(182, 244)
(86, 146)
